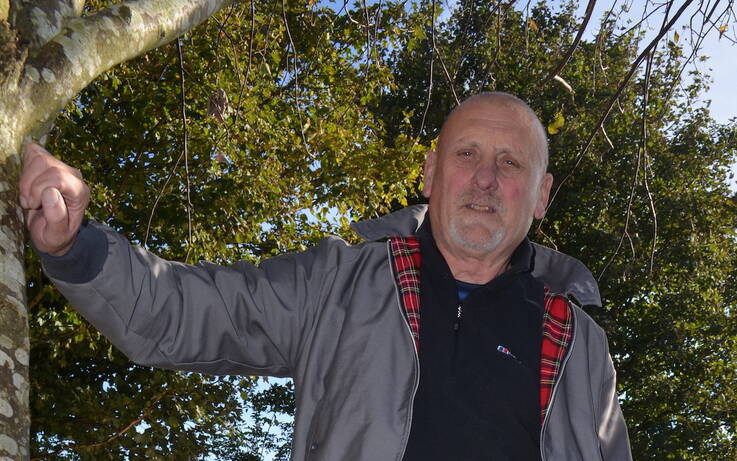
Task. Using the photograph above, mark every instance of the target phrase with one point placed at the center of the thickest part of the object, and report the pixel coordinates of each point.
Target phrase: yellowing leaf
(557, 123)
(533, 25)
(722, 30)
(676, 37)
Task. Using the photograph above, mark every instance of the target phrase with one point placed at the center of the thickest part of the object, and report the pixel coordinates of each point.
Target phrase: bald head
(486, 181)
(501, 99)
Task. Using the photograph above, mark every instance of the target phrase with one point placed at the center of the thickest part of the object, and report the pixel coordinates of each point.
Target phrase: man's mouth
(482, 208)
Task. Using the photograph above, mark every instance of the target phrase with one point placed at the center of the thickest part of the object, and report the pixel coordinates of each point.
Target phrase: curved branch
(88, 46)
(574, 45)
(144, 414)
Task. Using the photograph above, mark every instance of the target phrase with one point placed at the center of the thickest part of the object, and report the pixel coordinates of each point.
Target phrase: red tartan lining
(557, 335)
(406, 260)
(557, 318)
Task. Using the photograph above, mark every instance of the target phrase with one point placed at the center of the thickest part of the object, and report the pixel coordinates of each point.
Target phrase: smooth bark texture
(48, 53)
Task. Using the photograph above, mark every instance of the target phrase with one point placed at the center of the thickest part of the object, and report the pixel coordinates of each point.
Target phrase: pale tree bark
(49, 51)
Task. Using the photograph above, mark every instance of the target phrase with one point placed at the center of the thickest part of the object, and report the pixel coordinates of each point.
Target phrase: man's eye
(466, 153)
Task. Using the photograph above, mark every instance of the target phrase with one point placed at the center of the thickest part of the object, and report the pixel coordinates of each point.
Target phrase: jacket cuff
(83, 261)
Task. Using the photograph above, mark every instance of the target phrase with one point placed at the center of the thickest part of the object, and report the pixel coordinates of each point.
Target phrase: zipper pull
(459, 313)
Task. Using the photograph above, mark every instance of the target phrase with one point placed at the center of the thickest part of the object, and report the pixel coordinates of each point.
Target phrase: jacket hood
(559, 272)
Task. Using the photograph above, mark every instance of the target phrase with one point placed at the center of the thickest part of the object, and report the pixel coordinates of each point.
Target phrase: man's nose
(486, 176)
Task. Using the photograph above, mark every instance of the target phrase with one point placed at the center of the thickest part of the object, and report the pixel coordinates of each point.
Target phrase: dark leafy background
(327, 120)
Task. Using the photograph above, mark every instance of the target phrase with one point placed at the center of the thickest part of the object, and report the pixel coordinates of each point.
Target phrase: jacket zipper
(456, 335)
(457, 324)
(414, 349)
(555, 386)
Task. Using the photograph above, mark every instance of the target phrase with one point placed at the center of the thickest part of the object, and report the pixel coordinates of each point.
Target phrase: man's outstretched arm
(207, 318)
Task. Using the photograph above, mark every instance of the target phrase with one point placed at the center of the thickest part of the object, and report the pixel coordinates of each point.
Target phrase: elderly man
(448, 338)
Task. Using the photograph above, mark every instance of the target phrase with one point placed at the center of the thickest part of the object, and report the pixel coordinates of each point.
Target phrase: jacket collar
(559, 272)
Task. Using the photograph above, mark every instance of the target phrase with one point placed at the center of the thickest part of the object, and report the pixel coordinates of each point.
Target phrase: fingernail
(23, 202)
(49, 197)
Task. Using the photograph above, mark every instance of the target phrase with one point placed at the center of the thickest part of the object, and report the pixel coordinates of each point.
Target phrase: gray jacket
(328, 317)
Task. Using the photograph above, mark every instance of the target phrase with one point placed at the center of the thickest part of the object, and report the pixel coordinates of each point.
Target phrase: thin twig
(625, 232)
(644, 18)
(641, 158)
(368, 36)
(466, 44)
(296, 82)
(574, 45)
(115, 435)
(161, 194)
(442, 62)
(250, 40)
(242, 81)
(645, 103)
(447, 75)
(655, 216)
(377, 21)
(221, 32)
(432, 70)
(694, 50)
(348, 13)
(185, 140)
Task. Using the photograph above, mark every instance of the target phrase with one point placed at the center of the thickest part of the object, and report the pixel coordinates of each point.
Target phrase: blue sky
(723, 93)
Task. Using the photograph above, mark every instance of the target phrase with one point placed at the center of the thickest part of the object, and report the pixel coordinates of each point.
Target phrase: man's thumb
(54, 210)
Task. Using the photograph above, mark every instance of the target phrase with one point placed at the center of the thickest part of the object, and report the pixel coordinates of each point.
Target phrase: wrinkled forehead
(497, 112)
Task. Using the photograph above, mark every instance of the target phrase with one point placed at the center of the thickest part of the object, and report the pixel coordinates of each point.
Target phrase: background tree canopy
(277, 122)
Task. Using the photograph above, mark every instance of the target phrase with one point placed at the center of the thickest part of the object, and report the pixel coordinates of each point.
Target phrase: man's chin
(477, 240)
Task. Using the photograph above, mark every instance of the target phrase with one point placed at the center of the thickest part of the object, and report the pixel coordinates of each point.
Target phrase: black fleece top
(478, 397)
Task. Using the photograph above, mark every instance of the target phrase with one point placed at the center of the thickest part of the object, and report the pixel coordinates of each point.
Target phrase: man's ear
(544, 194)
(428, 172)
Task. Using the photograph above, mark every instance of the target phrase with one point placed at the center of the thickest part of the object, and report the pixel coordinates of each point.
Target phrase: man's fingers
(33, 166)
(36, 161)
(54, 197)
(54, 210)
(61, 178)
(31, 150)
(50, 226)
(42, 170)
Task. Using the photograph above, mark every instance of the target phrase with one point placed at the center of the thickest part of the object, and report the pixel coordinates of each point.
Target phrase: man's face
(486, 180)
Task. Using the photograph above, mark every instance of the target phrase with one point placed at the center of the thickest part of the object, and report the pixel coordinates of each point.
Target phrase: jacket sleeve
(612, 431)
(205, 318)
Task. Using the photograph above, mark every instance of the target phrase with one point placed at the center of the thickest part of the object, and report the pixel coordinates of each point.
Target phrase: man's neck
(475, 269)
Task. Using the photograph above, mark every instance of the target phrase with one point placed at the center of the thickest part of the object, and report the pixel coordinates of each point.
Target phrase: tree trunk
(14, 344)
(48, 53)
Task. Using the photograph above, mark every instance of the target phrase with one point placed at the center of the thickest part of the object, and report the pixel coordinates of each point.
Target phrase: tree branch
(574, 45)
(39, 21)
(432, 70)
(185, 148)
(625, 231)
(115, 435)
(623, 84)
(87, 46)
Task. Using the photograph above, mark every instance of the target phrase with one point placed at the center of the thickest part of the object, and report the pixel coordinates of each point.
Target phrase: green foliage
(331, 125)
(291, 156)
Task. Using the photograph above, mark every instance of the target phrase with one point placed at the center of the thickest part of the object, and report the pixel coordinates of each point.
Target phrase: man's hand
(54, 197)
